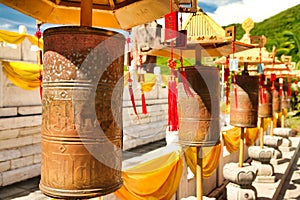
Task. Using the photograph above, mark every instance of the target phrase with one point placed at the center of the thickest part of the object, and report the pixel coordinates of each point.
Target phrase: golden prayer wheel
(82, 112)
(244, 101)
(198, 106)
(265, 103)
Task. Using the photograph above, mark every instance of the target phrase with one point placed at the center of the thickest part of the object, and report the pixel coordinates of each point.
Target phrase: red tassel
(272, 79)
(144, 108)
(131, 94)
(172, 105)
(227, 93)
(132, 99)
(261, 88)
(280, 86)
(41, 92)
(226, 75)
(289, 91)
(186, 84)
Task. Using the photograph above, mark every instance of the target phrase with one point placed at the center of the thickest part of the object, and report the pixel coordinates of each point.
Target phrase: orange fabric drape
(156, 179)
(251, 136)
(210, 160)
(231, 138)
(24, 75)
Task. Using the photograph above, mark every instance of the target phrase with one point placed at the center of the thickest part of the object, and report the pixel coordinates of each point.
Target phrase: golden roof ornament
(248, 25)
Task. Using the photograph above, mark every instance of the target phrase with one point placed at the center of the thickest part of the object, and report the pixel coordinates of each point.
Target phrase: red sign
(171, 23)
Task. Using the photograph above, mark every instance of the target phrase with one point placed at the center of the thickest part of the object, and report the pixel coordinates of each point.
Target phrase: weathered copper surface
(82, 112)
(265, 105)
(285, 100)
(199, 114)
(276, 102)
(244, 108)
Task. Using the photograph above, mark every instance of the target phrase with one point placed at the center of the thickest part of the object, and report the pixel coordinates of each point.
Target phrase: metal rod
(86, 12)
(241, 156)
(199, 174)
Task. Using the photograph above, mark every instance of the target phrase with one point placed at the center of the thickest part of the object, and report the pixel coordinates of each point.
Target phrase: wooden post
(199, 174)
(86, 12)
(198, 54)
(241, 156)
(272, 126)
(261, 129)
(282, 118)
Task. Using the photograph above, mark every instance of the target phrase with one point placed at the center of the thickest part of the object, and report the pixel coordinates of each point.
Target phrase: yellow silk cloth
(24, 75)
(231, 138)
(210, 159)
(156, 179)
(17, 38)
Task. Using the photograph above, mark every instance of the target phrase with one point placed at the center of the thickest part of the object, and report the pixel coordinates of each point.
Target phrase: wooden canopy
(119, 14)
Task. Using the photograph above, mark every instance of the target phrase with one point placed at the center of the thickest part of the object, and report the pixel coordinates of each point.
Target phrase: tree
(291, 47)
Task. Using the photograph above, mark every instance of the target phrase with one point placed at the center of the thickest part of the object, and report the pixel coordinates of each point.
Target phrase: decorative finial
(248, 25)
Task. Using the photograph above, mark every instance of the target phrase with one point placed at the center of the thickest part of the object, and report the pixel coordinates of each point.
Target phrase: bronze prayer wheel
(276, 101)
(265, 103)
(82, 112)
(199, 113)
(285, 100)
(244, 101)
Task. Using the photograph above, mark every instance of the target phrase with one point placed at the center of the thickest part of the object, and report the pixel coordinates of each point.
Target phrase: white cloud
(257, 10)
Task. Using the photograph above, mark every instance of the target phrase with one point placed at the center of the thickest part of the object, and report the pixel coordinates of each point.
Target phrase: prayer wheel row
(82, 112)
(248, 101)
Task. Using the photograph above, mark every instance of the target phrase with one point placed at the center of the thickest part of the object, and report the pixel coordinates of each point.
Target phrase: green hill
(278, 30)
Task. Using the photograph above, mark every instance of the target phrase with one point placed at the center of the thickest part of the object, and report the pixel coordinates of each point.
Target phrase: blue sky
(224, 12)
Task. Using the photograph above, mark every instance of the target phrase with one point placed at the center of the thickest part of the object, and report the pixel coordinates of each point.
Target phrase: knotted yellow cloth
(210, 160)
(156, 179)
(24, 75)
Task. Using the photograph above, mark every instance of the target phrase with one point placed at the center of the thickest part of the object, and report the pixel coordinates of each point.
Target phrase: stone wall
(20, 149)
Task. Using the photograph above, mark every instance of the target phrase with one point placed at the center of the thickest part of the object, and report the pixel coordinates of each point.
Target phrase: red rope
(38, 34)
(172, 90)
(234, 77)
(226, 75)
